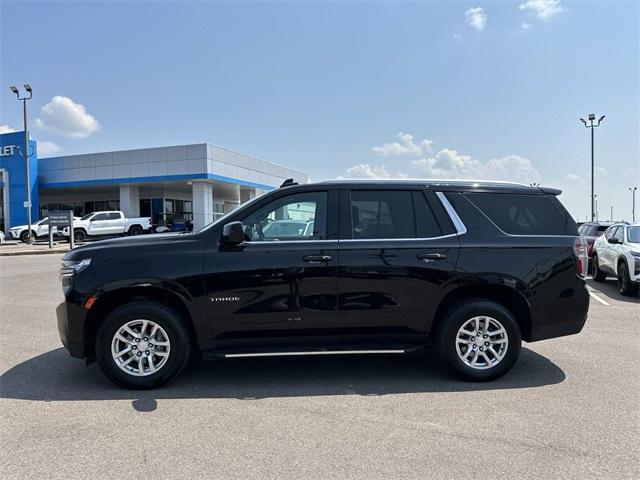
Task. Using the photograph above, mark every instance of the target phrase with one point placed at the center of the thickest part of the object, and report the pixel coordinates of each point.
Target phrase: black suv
(469, 269)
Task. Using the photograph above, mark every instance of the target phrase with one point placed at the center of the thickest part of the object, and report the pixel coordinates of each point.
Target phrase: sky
(423, 89)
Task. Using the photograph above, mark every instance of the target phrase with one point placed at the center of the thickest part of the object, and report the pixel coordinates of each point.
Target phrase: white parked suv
(617, 253)
(107, 223)
(39, 229)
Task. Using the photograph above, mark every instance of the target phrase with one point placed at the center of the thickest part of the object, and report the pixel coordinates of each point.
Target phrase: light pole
(633, 203)
(25, 151)
(592, 117)
(611, 218)
(596, 200)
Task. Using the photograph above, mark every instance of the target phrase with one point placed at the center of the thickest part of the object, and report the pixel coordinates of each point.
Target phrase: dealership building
(196, 183)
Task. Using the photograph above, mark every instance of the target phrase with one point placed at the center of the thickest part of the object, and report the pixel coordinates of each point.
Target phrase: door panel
(280, 290)
(388, 286)
(390, 291)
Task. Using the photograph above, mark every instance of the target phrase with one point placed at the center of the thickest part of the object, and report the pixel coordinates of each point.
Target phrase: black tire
(24, 236)
(455, 318)
(178, 335)
(135, 230)
(79, 235)
(598, 275)
(625, 286)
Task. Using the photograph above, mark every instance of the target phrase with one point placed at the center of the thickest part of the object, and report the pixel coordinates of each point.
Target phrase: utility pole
(592, 125)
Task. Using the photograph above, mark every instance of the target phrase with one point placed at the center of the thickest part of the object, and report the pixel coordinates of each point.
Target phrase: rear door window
(519, 214)
(382, 214)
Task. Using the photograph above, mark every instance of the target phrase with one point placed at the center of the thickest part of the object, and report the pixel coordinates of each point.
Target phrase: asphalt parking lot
(569, 409)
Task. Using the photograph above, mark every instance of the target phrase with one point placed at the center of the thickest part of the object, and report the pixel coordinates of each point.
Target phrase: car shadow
(609, 289)
(54, 376)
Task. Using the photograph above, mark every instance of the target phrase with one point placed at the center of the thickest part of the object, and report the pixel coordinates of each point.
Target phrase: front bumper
(71, 319)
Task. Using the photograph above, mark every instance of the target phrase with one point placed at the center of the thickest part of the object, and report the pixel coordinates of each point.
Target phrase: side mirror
(232, 234)
(612, 240)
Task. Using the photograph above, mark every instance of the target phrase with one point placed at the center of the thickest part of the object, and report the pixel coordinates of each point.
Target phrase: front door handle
(430, 257)
(317, 258)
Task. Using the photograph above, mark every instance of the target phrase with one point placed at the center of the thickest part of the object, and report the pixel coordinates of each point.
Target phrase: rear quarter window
(519, 214)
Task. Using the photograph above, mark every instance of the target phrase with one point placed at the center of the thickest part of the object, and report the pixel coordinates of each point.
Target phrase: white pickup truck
(107, 223)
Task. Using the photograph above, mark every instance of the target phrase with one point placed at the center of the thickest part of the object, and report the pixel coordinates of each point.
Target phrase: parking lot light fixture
(633, 203)
(25, 152)
(592, 124)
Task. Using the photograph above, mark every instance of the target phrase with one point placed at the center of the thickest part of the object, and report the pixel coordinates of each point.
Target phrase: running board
(317, 352)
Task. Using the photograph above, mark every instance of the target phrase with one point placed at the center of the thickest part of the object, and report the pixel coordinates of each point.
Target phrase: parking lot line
(593, 295)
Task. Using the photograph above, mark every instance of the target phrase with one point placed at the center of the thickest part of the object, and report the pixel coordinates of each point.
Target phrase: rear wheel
(598, 275)
(142, 345)
(625, 285)
(479, 340)
(135, 230)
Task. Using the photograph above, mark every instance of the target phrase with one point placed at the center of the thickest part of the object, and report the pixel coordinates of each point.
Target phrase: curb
(32, 252)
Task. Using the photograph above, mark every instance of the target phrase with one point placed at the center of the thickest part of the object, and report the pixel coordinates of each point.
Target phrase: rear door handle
(317, 258)
(430, 257)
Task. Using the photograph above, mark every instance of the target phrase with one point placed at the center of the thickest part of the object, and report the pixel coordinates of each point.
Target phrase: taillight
(590, 247)
(580, 254)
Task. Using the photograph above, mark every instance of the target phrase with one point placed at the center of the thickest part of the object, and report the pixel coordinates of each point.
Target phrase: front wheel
(598, 275)
(625, 286)
(79, 236)
(479, 340)
(24, 236)
(142, 345)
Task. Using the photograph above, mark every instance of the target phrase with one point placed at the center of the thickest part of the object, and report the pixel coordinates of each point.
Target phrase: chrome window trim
(459, 225)
(453, 215)
(344, 240)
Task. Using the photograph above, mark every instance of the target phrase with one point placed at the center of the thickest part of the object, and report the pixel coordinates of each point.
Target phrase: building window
(145, 207)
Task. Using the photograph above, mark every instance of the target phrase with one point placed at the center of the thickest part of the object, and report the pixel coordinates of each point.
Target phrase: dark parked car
(467, 268)
(591, 231)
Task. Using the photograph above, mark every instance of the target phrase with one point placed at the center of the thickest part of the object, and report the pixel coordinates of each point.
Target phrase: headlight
(635, 255)
(70, 267)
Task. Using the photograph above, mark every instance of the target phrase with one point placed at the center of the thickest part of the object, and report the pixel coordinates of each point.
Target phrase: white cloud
(543, 9)
(48, 148)
(525, 27)
(447, 163)
(67, 118)
(476, 18)
(404, 146)
(450, 164)
(6, 129)
(364, 170)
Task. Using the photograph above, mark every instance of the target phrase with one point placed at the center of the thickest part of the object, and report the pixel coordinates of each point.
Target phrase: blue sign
(13, 167)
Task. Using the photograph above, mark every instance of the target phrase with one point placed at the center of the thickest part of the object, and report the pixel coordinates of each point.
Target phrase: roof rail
(288, 183)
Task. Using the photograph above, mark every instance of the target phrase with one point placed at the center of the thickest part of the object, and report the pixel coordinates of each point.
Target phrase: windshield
(86, 217)
(633, 234)
(224, 217)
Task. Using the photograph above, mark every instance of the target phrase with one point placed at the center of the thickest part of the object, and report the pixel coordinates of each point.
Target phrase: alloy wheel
(140, 347)
(482, 342)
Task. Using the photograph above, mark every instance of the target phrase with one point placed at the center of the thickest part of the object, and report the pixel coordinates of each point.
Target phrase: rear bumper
(565, 314)
(554, 330)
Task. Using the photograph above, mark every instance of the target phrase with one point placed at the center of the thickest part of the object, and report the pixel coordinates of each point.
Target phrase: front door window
(300, 216)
